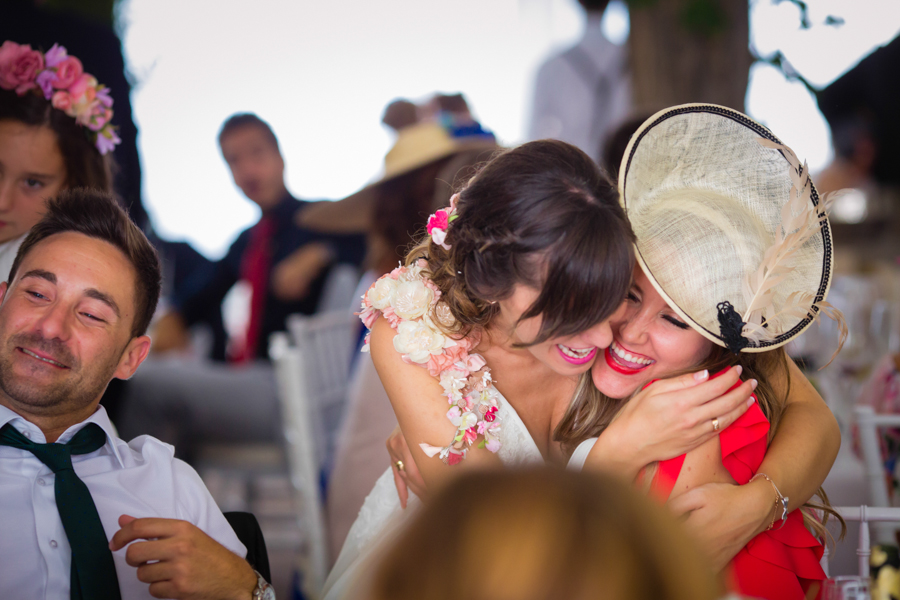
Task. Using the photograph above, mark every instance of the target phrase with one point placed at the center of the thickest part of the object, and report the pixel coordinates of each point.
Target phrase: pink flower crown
(64, 83)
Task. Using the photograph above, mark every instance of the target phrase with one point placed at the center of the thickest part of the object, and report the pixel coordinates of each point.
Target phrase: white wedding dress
(381, 515)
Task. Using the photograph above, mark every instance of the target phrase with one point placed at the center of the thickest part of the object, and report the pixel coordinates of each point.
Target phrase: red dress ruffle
(776, 565)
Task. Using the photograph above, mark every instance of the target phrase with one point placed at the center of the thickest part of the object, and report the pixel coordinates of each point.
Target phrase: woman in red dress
(735, 261)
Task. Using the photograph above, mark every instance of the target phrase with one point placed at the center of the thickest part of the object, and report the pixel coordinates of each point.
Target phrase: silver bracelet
(779, 499)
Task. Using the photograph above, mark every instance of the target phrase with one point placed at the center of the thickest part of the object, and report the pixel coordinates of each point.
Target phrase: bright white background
(322, 72)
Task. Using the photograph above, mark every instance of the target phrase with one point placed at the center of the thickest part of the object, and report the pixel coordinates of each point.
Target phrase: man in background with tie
(285, 268)
(85, 515)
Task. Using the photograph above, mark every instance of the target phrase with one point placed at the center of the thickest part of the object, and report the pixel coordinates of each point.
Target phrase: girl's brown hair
(85, 166)
(542, 215)
(542, 534)
(591, 411)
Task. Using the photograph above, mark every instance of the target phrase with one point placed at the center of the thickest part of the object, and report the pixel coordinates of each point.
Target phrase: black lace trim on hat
(731, 327)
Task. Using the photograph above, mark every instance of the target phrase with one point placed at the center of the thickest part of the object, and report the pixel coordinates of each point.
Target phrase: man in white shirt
(583, 93)
(81, 293)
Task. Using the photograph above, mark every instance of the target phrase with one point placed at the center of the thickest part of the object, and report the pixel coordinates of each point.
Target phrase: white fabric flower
(379, 295)
(444, 316)
(411, 299)
(412, 273)
(417, 341)
(453, 381)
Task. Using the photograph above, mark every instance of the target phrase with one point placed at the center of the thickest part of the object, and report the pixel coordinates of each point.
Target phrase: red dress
(775, 565)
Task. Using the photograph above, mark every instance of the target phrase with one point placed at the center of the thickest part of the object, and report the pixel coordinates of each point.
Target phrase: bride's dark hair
(543, 215)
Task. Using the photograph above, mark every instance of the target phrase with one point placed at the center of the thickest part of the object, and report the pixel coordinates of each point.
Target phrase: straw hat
(416, 146)
(730, 228)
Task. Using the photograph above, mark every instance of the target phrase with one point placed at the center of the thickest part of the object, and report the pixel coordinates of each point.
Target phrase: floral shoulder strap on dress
(411, 303)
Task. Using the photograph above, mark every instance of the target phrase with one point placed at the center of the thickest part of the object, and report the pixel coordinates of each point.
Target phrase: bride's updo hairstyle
(542, 215)
(85, 166)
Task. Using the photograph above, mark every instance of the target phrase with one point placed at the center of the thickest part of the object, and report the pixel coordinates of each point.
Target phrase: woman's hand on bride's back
(668, 418)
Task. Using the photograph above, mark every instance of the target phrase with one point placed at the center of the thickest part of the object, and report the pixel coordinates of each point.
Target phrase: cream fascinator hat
(730, 229)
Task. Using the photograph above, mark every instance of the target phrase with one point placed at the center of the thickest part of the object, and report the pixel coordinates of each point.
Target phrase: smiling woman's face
(570, 355)
(650, 341)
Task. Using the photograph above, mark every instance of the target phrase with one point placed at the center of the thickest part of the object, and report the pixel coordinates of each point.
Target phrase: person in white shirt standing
(73, 316)
(583, 93)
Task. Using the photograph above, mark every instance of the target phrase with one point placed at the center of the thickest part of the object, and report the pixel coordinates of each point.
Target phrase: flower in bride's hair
(439, 220)
(411, 299)
(379, 295)
(438, 224)
(417, 342)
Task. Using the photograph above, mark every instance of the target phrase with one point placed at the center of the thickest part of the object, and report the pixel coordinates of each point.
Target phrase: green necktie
(93, 573)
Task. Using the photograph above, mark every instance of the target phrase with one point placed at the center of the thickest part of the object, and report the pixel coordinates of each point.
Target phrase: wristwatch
(264, 590)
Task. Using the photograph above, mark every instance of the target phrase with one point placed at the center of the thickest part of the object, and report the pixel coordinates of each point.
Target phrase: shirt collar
(34, 433)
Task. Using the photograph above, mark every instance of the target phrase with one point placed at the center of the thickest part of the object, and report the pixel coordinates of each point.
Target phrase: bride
(480, 339)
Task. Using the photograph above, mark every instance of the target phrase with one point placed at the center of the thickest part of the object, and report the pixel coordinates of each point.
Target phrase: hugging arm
(798, 459)
(421, 408)
(668, 418)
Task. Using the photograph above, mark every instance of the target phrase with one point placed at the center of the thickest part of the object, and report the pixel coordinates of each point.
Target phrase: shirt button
(41, 481)
(27, 434)
(53, 544)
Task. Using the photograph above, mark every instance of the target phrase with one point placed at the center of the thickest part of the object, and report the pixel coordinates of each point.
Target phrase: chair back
(868, 423)
(312, 364)
(865, 515)
(248, 531)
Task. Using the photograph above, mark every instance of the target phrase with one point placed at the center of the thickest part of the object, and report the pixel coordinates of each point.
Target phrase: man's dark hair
(241, 120)
(96, 214)
(594, 5)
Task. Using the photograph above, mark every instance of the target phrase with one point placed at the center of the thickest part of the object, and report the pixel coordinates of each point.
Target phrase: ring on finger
(715, 423)
(400, 466)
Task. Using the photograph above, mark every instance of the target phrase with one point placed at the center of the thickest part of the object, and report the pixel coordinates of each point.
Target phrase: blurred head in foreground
(542, 534)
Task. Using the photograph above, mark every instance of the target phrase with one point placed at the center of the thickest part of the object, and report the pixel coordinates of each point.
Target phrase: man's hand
(179, 561)
(292, 276)
(409, 478)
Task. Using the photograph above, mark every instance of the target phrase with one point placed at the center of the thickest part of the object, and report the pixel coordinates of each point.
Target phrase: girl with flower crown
(55, 133)
(481, 337)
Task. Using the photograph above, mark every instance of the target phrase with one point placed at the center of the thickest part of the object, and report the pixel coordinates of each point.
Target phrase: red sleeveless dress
(776, 565)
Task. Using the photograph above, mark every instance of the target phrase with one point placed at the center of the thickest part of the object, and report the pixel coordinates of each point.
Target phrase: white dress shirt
(583, 94)
(141, 479)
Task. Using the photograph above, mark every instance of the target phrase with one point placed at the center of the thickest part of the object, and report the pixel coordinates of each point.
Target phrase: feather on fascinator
(730, 228)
